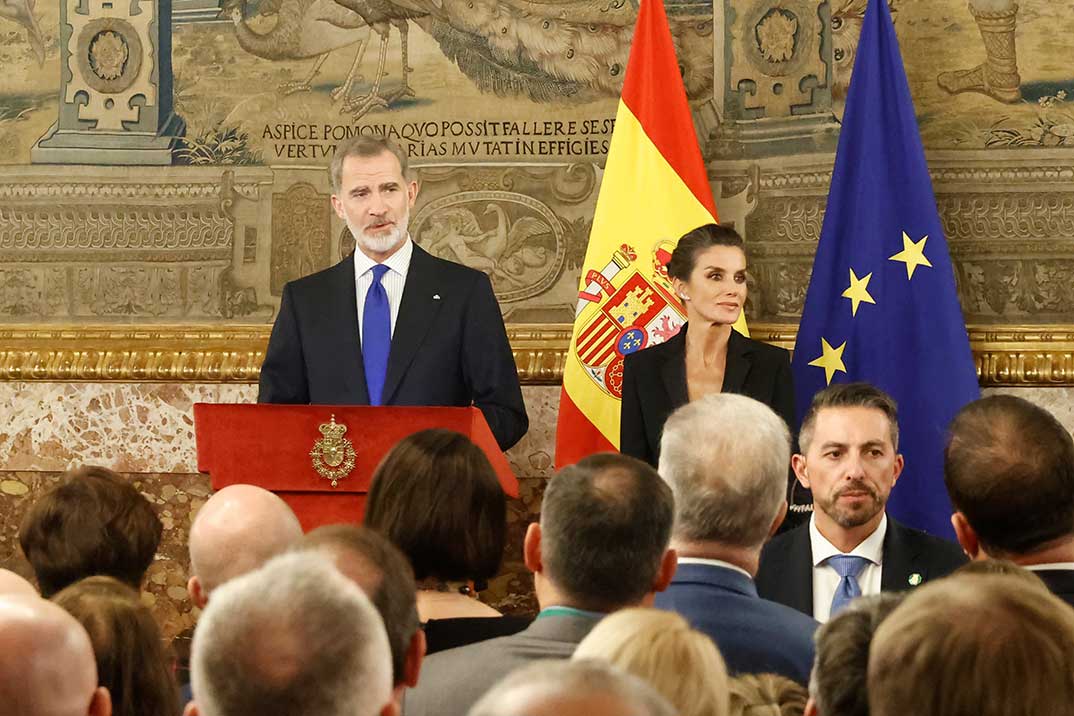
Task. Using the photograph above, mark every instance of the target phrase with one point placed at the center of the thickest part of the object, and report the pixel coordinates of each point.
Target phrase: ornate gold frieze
(1008, 355)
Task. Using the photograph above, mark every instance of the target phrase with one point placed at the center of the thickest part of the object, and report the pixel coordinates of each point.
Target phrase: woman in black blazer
(708, 271)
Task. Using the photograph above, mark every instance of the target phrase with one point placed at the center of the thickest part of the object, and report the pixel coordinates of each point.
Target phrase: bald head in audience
(571, 688)
(240, 528)
(47, 666)
(973, 644)
(292, 638)
(12, 585)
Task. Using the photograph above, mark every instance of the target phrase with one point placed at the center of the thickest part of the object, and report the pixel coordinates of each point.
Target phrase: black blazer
(1060, 582)
(786, 572)
(449, 346)
(654, 385)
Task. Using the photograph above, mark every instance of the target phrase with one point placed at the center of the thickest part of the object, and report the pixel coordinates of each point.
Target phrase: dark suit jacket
(1060, 582)
(786, 573)
(453, 680)
(654, 385)
(755, 636)
(449, 346)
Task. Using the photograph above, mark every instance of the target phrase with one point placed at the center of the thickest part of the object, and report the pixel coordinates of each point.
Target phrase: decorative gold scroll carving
(1005, 355)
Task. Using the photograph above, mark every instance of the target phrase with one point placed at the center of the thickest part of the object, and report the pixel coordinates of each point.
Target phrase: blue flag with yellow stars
(882, 305)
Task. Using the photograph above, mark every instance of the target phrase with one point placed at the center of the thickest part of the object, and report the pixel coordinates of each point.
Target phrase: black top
(443, 634)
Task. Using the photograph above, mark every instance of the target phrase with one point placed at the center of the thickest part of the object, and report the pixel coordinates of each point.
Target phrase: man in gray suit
(601, 545)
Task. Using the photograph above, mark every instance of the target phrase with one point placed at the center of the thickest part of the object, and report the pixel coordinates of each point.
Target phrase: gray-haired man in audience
(725, 457)
(600, 545)
(571, 688)
(47, 667)
(294, 638)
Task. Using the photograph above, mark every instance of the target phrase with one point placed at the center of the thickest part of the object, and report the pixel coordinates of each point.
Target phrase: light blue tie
(376, 335)
(848, 567)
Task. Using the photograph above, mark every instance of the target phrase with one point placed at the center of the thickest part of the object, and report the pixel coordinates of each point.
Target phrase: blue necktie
(848, 567)
(376, 335)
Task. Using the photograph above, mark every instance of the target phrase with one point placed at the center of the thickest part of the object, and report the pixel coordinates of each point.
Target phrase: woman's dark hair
(684, 257)
(132, 661)
(436, 496)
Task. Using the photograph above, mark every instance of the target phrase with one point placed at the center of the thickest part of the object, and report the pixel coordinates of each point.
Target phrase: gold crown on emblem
(332, 430)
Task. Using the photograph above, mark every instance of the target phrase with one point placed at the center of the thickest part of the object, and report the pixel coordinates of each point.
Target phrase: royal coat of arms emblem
(333, 455)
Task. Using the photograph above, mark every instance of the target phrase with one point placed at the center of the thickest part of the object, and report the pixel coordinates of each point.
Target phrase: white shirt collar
(872, 547)
(1045, 566)
(715, 563)
(398, 262)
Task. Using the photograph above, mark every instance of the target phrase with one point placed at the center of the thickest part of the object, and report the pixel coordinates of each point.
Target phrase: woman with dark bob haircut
(132, 662)
(708, 272)
(436, 496)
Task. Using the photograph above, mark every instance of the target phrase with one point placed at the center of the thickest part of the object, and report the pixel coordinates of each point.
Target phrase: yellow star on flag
(858, 292)
(912, 254)
(831, 360)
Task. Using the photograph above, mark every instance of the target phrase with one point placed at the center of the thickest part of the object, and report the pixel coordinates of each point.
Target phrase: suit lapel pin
(436, 296)
(915, 579)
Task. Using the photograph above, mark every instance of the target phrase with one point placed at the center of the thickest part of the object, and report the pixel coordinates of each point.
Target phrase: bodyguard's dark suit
(1060, 582)
(754, 636)
(654, 385)
(449, 346)
(786, 572)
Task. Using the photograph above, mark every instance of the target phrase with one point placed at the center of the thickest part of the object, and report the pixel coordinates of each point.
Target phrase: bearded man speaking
(391, 324)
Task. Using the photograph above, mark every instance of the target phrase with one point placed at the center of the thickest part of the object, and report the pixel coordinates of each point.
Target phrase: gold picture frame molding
(1029, 355)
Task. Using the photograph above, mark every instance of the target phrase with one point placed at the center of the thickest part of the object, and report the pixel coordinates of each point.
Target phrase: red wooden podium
(320, 458)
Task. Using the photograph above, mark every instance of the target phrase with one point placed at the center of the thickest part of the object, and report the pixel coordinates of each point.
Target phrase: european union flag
(882, 305)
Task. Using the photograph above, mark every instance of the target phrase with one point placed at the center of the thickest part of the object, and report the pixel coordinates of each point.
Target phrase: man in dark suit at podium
(391, 324)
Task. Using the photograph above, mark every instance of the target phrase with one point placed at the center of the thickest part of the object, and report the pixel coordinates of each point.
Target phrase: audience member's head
(237, 530)
(377, 566)
(849, 457)
(1009, 469)
(1002, 567)
(767, 695)
(837, 686)
(436, 496)
(982, 645)
(725, 457)
(294, 637)
(46, 662)
(660, 648)
(94, 522)
(602, 540)
(12, 585)
(132, 662)
(571, 688)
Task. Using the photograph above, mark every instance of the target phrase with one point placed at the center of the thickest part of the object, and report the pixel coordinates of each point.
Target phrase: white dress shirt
(393, 281)
(1050, 566)
(714, 563)
(826, 579)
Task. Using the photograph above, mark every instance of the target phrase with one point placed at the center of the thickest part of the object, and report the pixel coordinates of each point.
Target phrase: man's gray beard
(384, 243)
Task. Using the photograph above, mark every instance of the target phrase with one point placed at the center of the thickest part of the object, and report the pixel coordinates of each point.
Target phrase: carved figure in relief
(22, 13)
(997, 76)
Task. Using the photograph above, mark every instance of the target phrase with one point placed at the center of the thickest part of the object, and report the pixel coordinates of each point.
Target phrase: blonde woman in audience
(682, 664)
(132, 662)
(767, 695)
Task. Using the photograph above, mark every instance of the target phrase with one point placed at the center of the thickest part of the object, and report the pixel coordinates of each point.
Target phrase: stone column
(115, 85)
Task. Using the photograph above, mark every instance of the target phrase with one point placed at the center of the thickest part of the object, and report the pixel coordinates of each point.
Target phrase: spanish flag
(654, 190)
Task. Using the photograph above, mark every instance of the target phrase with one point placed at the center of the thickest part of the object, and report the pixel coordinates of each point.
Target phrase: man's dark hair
(605, 525)
(384, 574)
(94, 522)
(436, 496)
(849, 395)
(838, 681)
(1009, 468)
